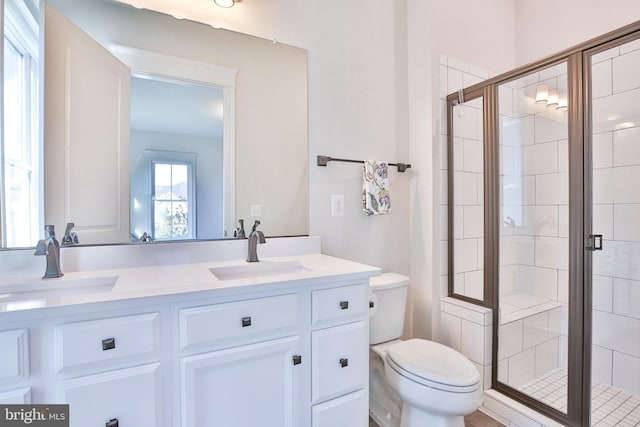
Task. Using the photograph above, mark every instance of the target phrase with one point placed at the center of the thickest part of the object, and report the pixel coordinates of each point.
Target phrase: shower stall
(544, 226)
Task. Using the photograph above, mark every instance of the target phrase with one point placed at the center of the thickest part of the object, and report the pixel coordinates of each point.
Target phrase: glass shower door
(615, 142)
(534, 244)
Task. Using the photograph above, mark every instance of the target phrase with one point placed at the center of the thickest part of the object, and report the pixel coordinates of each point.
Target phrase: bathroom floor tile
(476, 419)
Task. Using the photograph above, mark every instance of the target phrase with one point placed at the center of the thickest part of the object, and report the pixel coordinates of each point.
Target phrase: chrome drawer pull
(344, 362)
(344, 305)
(112, 423)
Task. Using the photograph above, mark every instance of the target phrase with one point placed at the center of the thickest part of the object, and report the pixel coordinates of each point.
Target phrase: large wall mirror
(152, 124)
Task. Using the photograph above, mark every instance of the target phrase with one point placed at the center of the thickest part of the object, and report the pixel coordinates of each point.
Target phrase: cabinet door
(252, 385)
(340, 360)
(346, 411)
(131, 396)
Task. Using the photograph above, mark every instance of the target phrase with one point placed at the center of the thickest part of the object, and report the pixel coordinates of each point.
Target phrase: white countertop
(28, 292)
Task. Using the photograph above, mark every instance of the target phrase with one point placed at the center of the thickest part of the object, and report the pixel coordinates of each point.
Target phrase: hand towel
(376, 198)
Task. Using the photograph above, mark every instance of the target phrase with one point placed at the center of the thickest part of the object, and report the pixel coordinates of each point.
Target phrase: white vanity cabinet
(290, 353)
(118, 390)
(253, 375)
(340, 354)
(14, 367)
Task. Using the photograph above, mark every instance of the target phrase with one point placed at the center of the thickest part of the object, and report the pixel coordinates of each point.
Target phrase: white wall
(545, 27)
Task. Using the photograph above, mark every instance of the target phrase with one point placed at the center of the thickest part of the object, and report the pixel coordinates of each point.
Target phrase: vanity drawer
(341, 304)
(340, 360)
(239, 321)
(98, 341)
(351, 410)
(14, 354)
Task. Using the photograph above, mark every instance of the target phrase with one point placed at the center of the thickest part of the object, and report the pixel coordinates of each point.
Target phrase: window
(20, 151)
(173, 196)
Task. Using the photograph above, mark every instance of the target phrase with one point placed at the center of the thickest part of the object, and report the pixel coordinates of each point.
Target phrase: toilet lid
(434, 362)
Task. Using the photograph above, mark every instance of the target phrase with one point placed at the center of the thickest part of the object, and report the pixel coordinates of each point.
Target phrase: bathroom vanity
(283, 342)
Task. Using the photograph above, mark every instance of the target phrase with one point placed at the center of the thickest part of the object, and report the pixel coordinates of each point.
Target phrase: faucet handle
(70, 238)
(50, 229)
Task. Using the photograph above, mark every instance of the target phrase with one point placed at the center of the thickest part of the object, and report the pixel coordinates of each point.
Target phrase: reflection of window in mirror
(20, 149)
(173, 215)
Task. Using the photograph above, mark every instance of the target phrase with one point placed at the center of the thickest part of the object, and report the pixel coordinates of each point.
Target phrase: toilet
(413, 383)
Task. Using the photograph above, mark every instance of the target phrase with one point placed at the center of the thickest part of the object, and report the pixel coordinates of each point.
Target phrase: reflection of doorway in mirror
(20, 147)
(174, 122)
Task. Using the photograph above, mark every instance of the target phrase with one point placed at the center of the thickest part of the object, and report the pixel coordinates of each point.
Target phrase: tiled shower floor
(610, 406)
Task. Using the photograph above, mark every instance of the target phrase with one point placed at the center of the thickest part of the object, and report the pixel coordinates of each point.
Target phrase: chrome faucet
(50, 247)
(239, 231)
(254, 238)
(70, 238)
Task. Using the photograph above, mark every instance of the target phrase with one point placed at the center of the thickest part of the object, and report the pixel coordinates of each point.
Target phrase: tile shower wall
(616, 215)
(533, 235)
(463, 326)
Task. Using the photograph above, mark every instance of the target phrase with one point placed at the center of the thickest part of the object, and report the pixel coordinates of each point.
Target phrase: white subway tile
(522, 368)
(443, 222)
(458, 284)
(601, 80)
(610, 112)
(603, 220)
(630, 46)
(563, 155)
(627, 221)
(539, 221)
(625, 186)
(450, 329)
(444, 86)
(458, 154)
(563, 221)
(444, 195)
(443, 152)
(458, 64)
(625, 71)
(552, 252)
(602, 364)
(563, 286)
(547, 357)
(552, 189)
(602, 150)
(474, 284)
(465, 188)
(469, 79)
(616, 332)
(510, 339)
(473, 221)
(540, 158)
(458, 222)
(602, 293)
(607, 54)
(465, 255)
(473, 156)
(626, 146)
(553, 71)
(547, 129)
(536, 330)
(603, 182)
(545, 283)
(626, 298)
(626, 372)
(454, 80)
(505, 100)
(472, 341)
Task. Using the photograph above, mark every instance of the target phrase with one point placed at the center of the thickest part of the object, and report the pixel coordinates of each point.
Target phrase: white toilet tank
(388, 296)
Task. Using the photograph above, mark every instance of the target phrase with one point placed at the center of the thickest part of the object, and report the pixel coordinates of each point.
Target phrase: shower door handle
(594, 242)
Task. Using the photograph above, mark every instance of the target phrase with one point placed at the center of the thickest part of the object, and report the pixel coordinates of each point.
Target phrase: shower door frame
(580, 215)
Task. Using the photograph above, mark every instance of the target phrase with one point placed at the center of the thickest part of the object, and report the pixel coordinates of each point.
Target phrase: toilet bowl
(414, 383)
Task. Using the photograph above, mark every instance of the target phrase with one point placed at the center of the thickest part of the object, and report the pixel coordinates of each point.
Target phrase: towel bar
(323, 160)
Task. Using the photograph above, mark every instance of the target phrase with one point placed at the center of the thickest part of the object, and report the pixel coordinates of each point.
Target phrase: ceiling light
(225, 3)
(552, 101)
(542, 93)
(562, 102)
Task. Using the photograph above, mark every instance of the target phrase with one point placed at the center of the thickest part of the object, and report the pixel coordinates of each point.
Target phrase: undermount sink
(251, 270)
(51, 288)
